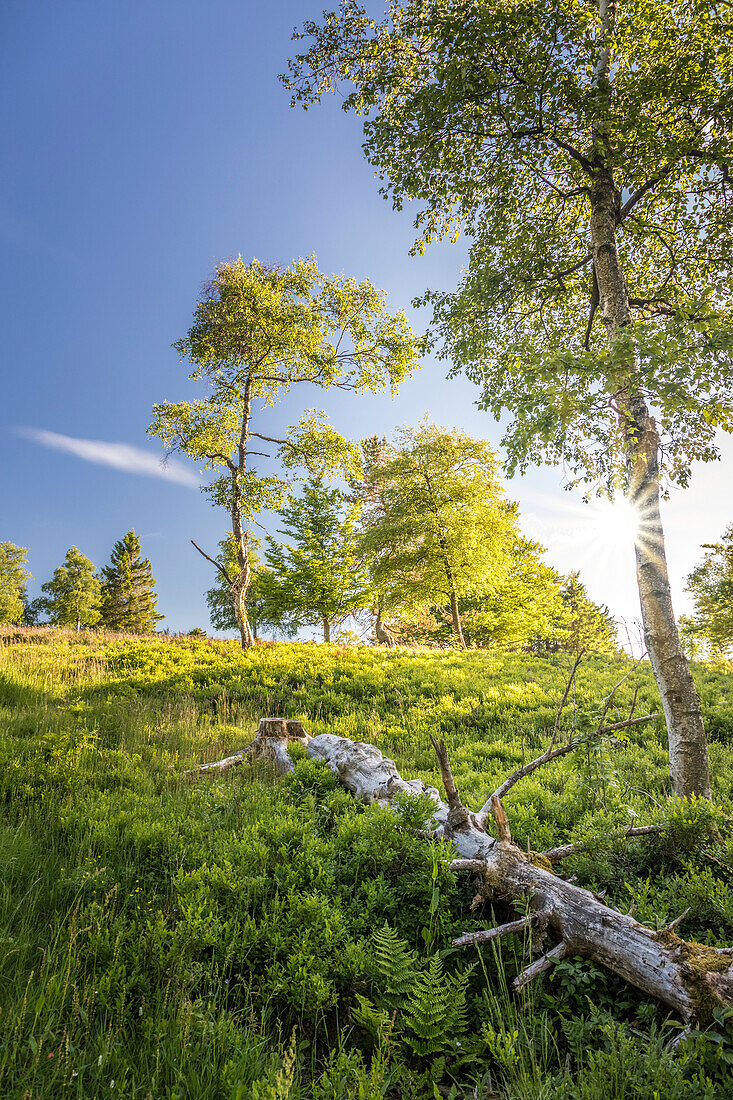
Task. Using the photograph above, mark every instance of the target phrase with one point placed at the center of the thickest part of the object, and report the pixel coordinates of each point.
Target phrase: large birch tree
(585, 146)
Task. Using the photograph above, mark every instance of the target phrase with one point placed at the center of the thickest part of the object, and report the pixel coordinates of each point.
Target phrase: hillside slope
(251, 937)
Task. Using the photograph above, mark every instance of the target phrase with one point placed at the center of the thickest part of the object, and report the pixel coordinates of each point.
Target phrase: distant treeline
(120, 597)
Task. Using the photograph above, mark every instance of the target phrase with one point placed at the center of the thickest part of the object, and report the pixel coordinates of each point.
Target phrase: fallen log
(688, 977)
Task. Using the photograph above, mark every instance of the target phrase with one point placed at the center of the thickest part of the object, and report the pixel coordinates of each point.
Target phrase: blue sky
(144, 142)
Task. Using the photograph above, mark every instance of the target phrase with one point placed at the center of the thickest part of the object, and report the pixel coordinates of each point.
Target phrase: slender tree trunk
(443, 544)
(326, 629)
(241, 535)
(455, 614)
(688, 758)
(382, 634)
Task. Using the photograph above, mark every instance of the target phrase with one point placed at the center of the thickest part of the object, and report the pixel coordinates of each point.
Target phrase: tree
(72, 596)
(13, 580)
(260, 612)
(586, 149)
(318, 576)
(128, 600)
(590, 626)
(525, 605)
(711, 586)
(437, 527)
(258, 331)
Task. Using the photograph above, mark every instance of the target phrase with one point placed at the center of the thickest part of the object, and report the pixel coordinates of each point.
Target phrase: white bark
(690, 978)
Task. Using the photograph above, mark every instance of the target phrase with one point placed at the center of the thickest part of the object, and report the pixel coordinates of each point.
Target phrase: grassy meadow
(247, 936)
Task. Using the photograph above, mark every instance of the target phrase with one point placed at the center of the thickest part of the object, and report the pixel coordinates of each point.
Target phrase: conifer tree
(709, 630)
(128, 600)
(319, 577)
(72, 596)
(587, 625)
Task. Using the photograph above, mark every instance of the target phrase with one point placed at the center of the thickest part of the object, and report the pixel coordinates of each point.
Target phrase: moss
(539, 859)
(697, 961)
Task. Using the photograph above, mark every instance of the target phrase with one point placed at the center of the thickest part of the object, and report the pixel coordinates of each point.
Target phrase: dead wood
(688, 977)
(551, 753)
(274, 736)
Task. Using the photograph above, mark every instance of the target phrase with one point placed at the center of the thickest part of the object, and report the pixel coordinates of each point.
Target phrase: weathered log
(690, 978)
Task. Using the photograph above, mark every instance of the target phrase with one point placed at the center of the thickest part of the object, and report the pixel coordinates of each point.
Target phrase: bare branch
(541, 965)
(502, 821)
(552, 754)
(213, 561)
(501, 930)
(457, 812)
(565, 850)
(592, 308)
(220, 766)
(564, 699)
(477, 865)
(677, 920)
(271, 439)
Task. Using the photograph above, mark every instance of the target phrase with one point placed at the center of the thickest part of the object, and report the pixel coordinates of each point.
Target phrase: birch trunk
(689, 978)
(688, 755)
(242, 582)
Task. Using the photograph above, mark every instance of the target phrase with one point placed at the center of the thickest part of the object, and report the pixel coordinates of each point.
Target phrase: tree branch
(552, 754)
(541, 965)
(632, 200)
(213, 561)
(501, 930)
(565, 850)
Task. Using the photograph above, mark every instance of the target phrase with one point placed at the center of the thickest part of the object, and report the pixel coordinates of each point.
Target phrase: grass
(177, 939)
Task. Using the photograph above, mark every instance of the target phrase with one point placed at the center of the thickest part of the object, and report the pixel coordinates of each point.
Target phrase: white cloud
(121, 456)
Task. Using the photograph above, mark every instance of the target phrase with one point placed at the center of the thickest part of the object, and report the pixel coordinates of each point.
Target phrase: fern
(377, 1022)
(395, 964)
(436, 1009)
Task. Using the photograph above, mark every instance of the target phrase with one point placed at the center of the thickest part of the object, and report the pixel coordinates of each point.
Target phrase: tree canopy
(498, 120)
(437, 527)
(13, 580)
(710, 584)
(586, 150)
(258, 331)
(72, 597)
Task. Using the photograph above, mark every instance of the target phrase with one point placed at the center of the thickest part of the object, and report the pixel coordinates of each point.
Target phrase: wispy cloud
(121, 456)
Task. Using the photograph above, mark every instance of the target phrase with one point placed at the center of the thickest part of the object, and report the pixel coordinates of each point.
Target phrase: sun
(613, 523)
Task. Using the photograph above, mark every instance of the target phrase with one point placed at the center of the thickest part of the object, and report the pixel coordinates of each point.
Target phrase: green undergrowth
(254, 937)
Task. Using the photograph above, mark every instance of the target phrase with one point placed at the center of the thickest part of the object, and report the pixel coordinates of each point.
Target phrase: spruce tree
(128, 599)
(318, 577)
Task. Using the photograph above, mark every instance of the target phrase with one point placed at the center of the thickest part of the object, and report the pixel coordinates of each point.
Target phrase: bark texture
(688, 757)
(382, 633)
(690, 978)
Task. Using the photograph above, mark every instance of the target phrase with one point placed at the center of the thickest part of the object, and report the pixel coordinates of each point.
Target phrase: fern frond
(395, 963)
